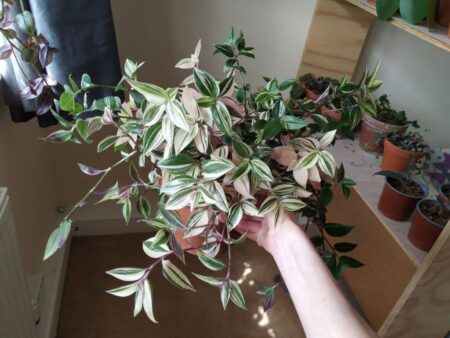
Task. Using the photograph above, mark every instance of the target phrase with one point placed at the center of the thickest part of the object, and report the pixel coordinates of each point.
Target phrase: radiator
(16, 314)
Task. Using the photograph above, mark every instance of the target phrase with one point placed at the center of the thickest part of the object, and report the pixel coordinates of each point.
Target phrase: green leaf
(67, 102)
(337, 229)
(25, 22)
(286, 84)
(387, 8)
(147, 300)
(176, 276)
(171, 217)
(86, 81)
(261, 170)
(82, 128)
(127, 274)
(106, 143)
(213, 169)
(413, 11)
(143, 207)
(153, 94)
(225, 295)
(225, 49)
(176, 164)
(344, 246)
(269, 205)
(222, 118)
(291, 122)
(214, 281)
(317, 240)
(234, 216)
(58, 238)
(236, 295)
(126, 210)
(205, 83)
(326, 196)
(241, 148)
(211, 263)
(346, 261)
(177, 183)
(292, 204)
(61, 120)
(241, 170)
(152, 139)
(272, 129)
(123, 291)
(59, 136)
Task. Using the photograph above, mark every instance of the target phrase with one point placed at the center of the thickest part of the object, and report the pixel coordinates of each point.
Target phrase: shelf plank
(361, 167)
(438, 36)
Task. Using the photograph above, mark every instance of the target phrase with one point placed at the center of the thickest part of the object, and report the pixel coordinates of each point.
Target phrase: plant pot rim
(401, 150)
(368, 117)
(424, 216)
(421, 184)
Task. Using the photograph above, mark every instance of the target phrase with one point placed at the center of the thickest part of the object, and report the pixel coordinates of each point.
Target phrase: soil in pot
(372, 130)
(399, 198)
(428, 222)
(396, 158)
(444, 193)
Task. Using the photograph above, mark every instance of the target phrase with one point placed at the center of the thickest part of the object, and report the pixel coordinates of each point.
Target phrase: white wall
(417, 76)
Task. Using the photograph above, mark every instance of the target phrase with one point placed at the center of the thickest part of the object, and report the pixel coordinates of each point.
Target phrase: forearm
(322, 308)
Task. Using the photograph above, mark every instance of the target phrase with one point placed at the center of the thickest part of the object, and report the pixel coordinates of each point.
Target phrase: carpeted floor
(88, 311)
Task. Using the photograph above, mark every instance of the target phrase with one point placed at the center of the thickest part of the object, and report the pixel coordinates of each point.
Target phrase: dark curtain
(83, 31)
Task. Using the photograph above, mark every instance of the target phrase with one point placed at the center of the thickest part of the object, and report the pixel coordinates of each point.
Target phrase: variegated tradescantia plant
(215, 151)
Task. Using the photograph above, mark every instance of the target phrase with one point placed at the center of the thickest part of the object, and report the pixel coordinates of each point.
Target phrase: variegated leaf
(283, 189)
(222, 118)
(250, 209)
(153, 94)
(268, 206)
(153, 137)
(176, 164)
(292, 204)
(127, 274)
(327, 138)
(123, 291)
(261, 170)
(221, 199)
(210, 262)
(180, 199)
(168, 130)
(221, 152)
(242, 186)
(326, 163)
(234, 216)
(178, 183)
(213, 169)
(184, 138)
(236, 295)
(308, 161)
(207, 194)
(148, 301)
(155, 251)
(175, 275)
(177, 116)
(202, 139)
(138, 300)
(214, 281)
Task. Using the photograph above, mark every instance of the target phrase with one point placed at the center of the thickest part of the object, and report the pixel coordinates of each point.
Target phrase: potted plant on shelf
(214, 151)
(412, 11)
(314, 87)
(382, 121)
(400, 194)
(430, 218)
(403, 150)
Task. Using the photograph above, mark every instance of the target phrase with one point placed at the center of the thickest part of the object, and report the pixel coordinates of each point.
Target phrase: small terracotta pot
(444, 192)
(371, 130)
(334, 115)
(396, 205)
(397, 159)
(423, 231)
(311, 95)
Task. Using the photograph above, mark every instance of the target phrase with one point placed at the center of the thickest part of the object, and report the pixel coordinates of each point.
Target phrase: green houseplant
(384, 120)
(214, 150)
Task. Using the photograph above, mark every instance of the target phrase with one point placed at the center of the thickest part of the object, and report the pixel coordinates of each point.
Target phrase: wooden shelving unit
(403, 291)
(437, 36)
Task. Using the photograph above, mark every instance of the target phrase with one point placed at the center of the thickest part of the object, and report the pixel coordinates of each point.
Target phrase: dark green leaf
(387, 8)
(272, 129)
(337, 229)
(205, 83)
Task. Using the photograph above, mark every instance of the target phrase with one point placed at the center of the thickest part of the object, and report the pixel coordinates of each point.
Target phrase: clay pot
(423, 231)
(397, 159)
(373, 2)
(311, 95)
(443, 16)
(371, 130)
(334, 115)
(397, 205)
(444, 193)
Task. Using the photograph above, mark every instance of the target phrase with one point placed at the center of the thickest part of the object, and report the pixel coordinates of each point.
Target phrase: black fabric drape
(83, 31)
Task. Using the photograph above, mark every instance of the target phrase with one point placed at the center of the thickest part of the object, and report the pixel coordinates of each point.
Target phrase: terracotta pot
(194, 241)
(334, 115)
(371, 130)
(396, 205)
(373, 2)
(423, 231)
(443, 16)
(311, 95)
(397, 159)
(444, 193)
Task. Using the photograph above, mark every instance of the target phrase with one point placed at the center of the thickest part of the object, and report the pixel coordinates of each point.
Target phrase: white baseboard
(54, 276)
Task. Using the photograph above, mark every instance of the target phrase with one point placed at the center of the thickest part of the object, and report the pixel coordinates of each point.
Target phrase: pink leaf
(90, 171)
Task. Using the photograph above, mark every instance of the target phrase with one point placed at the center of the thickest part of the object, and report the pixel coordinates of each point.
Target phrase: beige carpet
(88, 312)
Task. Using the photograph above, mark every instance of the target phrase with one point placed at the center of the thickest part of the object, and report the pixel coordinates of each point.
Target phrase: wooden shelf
(361, 166)
(438, 36)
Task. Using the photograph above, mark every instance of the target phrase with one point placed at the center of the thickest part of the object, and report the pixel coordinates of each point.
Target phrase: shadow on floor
(87, 311)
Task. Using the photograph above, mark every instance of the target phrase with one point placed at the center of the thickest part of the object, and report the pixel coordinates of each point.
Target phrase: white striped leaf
(160, 238)
(292, 204)
(153, 115)
(205, 83)
(222, 118)
(123, 291)
(57, 238)
(147, 301)
(198, 218)
(213, 169)
(283, 189)
(155, 251)
(221, 152)
(189, 98)
(308, 161)
(326, 163)
(300, 192)
(138, 299)
(234, 217)
(269, 205)
(156, 223)
(172, 218)
(221, 199)
(175, 276)
(184, 138)
(241, 148)
(127, 274)
(211, 263)
(261, 170)
(168, 130)
(177, 116)
(241, 170)
(176, 164)
(242, 186)
(214, 281)
(180, 199)
(306, 143)
(207, 195)
(250, 209)
(327, 138)
(236, 295)
(225, 295)
(153, 94)
(202, 139)
(177, 183)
